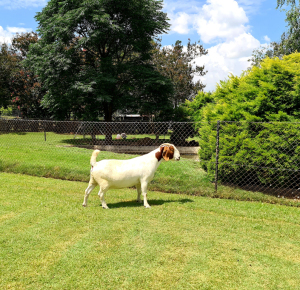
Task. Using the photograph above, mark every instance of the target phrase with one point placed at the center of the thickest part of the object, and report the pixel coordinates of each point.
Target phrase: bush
(254, 147)
(6, 112)
(264, 154)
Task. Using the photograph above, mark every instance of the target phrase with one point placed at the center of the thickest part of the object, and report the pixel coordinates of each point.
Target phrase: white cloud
(180, 23)
(219, 68)
(223, 25)
(227, 58)
(241, 46)
(7, 34)
(228, 25)
(220, 20)
(267, 38)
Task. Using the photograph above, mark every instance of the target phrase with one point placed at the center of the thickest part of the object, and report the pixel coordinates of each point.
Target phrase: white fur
(137, 172)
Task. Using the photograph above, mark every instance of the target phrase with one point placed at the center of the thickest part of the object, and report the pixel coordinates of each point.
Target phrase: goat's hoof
(105, 207)
(84, 205)
(147, 206)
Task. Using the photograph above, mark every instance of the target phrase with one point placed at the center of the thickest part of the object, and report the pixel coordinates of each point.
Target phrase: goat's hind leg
(139, 191)
(101, 193)
(89, 189)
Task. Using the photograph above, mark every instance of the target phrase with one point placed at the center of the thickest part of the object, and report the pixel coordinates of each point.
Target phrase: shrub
(261, 149)
(251, 153)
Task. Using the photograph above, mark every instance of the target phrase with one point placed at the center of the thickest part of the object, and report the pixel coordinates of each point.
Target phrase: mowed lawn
(49, 241)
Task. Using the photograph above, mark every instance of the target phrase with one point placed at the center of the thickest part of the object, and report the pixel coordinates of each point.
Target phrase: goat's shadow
(153, 203)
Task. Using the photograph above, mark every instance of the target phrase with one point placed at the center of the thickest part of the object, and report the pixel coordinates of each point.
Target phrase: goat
(137, 172)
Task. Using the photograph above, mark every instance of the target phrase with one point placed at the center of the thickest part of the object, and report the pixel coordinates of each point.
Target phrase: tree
(150, 93)
(290, 40)
(21, 43)
(8, 66)
(19, 86)
(280, 3)
(93, 55)
(26, 91)
(268, 93)
(262, 52)
(180, 67)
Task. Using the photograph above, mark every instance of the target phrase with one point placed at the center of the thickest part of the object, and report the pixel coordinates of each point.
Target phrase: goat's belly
(123, 183)
(116, 180)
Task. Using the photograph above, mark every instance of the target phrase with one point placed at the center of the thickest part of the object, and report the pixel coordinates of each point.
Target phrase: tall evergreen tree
(93, 55)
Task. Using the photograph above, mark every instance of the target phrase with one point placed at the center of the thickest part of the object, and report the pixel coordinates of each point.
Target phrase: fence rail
(252, 156)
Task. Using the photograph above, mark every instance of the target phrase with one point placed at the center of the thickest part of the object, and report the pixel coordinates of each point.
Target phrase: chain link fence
(62, 149)
(250, 156)
(253, 156)
(122, 137)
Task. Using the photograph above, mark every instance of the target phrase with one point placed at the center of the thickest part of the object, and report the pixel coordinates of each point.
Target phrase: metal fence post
(217, 156)
(44, 125)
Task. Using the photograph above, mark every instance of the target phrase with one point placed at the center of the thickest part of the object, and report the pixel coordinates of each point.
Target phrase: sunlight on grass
(49, 241)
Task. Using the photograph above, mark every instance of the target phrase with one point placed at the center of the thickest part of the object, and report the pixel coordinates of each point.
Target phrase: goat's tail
(94, 156)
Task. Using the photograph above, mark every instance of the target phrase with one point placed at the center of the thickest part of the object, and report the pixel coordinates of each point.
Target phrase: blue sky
(229, 29)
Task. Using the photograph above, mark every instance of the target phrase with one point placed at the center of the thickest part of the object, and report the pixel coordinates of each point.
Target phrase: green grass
(49, 241)
(29, 153)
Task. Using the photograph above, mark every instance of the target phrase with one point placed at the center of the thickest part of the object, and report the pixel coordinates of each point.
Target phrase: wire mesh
(260, 157)
(62, 149)
(251, 156)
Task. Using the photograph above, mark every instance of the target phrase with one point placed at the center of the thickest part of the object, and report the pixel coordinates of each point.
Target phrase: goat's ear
(168, 152)
(159, 154)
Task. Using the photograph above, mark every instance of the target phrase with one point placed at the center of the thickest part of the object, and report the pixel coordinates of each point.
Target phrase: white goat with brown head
(137, 172)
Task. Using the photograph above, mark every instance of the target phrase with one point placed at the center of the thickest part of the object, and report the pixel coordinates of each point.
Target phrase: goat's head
(167, 151)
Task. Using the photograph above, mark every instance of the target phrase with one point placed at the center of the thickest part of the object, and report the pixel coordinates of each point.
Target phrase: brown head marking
(168, 152)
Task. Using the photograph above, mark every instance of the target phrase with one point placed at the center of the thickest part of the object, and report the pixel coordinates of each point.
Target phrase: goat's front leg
(139, 191)
(144, 185)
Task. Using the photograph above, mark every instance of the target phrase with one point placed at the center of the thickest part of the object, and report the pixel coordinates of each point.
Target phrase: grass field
(49, 241)
(29, 153)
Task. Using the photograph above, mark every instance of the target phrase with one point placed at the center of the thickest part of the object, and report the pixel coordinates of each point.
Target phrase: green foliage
(290, 39)
(8, 66)
(269, 93)
(93, 56)
(194, 107)
(280, 3)
(6, 111)
(19, 86)
(266, 93)
(178, 65)
(289, 42)
(265, 154)
(271, 50)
